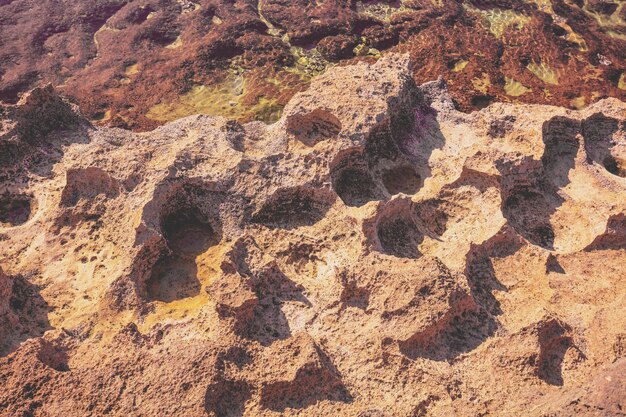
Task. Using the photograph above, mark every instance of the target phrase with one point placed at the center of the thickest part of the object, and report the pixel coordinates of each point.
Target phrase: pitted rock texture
(140, 63)
(375, 252)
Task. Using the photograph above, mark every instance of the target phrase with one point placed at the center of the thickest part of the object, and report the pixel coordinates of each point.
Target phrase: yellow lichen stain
(208, 270)
(363, 50)
(131, 69)
(482, 84)
(514, 88)
(379, 11)
(612, 24)
(459, 65)
(271, 29)
(544, 73)
(546, 7)
(578, 103)
(102, 117)
(178, 42)
(574, 37)
(309, 62)
(622, 82)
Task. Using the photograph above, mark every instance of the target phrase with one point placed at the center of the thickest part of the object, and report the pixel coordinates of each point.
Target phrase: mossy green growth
(498, 20)
(514, 88)
(622, 82)
(380, 11)
(224, 99)
(544, 73)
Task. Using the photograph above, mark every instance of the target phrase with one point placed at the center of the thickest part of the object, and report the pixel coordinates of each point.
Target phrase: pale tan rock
(373, 253)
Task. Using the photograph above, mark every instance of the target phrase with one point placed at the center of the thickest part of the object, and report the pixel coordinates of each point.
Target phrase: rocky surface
(375, 252)
(140, 63)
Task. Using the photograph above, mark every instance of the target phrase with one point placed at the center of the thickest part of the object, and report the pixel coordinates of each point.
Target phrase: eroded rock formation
(375, 252)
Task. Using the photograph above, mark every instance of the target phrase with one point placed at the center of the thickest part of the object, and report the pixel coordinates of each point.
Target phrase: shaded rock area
(140, 63)
(373, 253)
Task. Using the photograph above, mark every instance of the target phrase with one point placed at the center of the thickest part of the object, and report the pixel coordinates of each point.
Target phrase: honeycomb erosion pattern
(375, 252)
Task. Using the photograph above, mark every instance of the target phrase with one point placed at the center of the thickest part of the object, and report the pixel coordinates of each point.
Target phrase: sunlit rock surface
(375, 252)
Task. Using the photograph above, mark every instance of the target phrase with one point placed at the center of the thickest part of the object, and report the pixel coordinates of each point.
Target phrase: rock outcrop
(375, 252)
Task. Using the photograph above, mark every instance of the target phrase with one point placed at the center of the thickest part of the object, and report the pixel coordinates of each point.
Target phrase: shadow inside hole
(399, 237)
(31, 314)
(527, 211)
(531, 191)
(355, 186)
(455, 335)
(554, 343)
(227, 398)
(290, 208)
(173, 278)
(269, 322)
(187, 234)
(15, 209)
(600, 143)
(402, 179)
(615, 166)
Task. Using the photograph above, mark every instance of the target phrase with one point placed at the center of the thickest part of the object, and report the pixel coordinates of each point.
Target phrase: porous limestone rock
(375, 252)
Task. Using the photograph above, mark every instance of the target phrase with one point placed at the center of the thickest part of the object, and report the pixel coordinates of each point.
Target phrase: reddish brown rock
(140, 63)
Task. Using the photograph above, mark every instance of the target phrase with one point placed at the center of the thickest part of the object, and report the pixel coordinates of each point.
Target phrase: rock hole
(397, 232)
(615, 166)
(187, 233)
(525, 209)
(15, 209)
(173, 278)
(401, 179)
(352, 180)
(433, 215)
(481, 101)
(294, 207)
(53, 355)
(603, 144)
(554, 343)
(227, 398)
(313, 127)
(614, 237)
(87, 184)
(458, 332)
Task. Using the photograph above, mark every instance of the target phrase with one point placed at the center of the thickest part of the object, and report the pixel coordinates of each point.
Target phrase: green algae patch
(498, 20)
(612, 24)
(482, 84)
(224, 99)
(514, 88)
(459, 65)
(578, 103)
(379, 11)
(544, 72)
(622, 82)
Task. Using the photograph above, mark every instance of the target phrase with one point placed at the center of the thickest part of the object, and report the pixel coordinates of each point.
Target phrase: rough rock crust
(375, 252)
